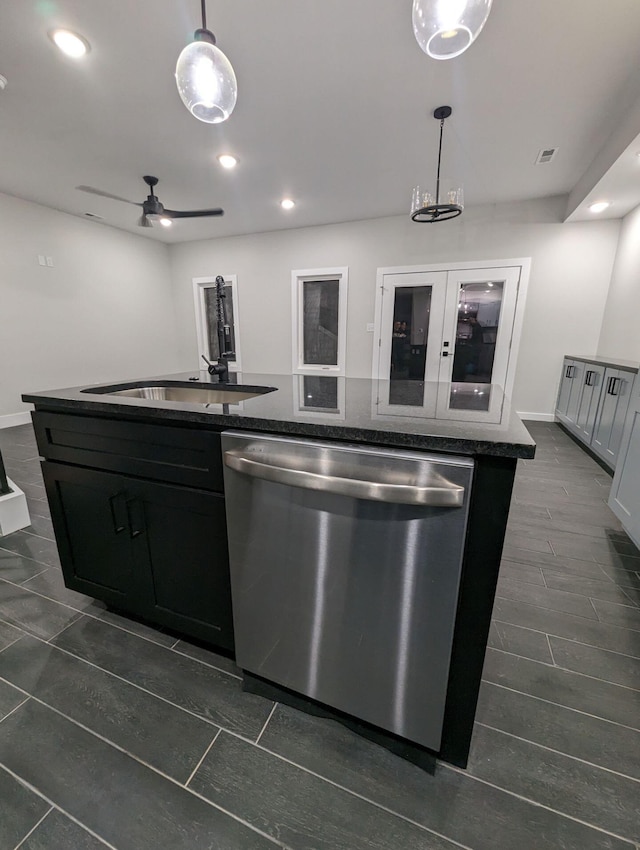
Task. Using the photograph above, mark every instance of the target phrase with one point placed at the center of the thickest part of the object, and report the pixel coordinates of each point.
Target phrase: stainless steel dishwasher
(345, 568)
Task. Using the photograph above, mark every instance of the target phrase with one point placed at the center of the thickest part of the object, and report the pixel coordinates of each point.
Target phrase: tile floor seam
(33, 829)
(560, 753)
(359, 796)
(55, 807)
(266, 722)
(57, 634)
(204, 755)
(16, 707)
(85, 613)
(554, 610)
(560, 705)
(568, 669)
(39, 536)
(156, 770)
(133, 685)
(41, 573)
(562, 637)
(26, 557)
(192, 658)
(634, 603)
(553, 660)
(600, 829)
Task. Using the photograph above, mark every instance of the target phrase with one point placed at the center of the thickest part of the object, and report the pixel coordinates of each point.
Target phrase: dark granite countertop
(327, 407)
(607, 362)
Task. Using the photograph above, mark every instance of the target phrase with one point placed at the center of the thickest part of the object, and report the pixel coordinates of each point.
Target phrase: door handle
(615, 382)
(119, 516)
(440, 493)
(445, 353)
(135, 515)
(589, 377)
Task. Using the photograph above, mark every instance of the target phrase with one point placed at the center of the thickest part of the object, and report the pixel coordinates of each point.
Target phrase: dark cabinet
(158, 551)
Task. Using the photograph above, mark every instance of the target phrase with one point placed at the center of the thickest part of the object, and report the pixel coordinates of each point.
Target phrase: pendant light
(427, 207)
(205, 78)
(445, 28)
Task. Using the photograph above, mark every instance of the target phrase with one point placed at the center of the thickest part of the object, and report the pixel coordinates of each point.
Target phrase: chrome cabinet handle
(445, 495)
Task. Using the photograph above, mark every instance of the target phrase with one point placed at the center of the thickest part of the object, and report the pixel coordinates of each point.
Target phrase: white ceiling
(333, 107)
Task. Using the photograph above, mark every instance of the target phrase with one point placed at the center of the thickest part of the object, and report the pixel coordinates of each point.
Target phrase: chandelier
(428, 207)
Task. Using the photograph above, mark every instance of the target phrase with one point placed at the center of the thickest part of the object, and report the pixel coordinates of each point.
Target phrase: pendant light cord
(439, 157)
(204, 14)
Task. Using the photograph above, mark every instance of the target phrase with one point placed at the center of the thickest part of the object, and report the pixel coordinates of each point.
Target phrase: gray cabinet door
(614, 403)
(624, 499)
(591, 389)
(575, 397)
(566, 382)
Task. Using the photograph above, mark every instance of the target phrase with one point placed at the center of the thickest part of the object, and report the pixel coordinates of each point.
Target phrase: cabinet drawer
(176, 455)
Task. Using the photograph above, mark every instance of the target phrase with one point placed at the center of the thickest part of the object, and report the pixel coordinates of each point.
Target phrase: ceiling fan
(152, 209)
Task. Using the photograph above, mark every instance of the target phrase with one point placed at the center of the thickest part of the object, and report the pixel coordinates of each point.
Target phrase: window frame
(199, 285)
(298, 278)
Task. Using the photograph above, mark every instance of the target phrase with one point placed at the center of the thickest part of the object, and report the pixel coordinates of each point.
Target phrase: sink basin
(182, 391)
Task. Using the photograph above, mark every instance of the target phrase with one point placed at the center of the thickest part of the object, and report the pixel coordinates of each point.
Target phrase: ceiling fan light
(206, 82)
(165, 222)
(446, 28)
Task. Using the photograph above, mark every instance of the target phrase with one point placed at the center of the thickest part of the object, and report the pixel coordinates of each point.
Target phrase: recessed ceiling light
(70, 43)
(226, 160)
(599, 206)
(165, 221)
(287, 204)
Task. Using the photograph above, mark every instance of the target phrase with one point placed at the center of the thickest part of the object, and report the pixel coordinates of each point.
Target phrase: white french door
(412, 312)
(445, 341)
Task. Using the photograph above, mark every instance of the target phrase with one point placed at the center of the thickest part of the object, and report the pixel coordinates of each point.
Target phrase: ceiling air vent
(546, 155)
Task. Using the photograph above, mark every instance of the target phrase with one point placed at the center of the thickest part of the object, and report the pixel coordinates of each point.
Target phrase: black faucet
(221, 368)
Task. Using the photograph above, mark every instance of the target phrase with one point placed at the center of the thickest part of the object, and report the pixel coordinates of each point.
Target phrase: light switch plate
(42, 260)
(370, 327)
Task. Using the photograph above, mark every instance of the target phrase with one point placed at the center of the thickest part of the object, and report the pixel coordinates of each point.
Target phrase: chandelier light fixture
(205, 78)
(426, 206)
(446, 28)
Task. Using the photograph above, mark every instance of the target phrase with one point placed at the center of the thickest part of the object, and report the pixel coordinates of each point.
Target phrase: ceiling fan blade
(102, 194)
(143, 221)
(193, 213)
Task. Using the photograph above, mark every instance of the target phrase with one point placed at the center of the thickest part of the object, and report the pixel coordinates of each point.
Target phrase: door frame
(199, 284)
(525, 269)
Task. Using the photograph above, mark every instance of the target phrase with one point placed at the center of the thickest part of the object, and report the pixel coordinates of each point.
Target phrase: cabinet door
(577, 386)
(624, 499)
(89, 515)
(614, 403)
(564, 392)
(180, 541)
(591, 389)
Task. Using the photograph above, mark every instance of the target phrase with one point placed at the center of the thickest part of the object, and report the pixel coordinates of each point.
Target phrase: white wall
(103, 312)
(570, 276)
(620, 333)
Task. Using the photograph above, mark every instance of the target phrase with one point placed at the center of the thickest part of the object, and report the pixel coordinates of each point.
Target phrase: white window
(319, 312)
(204, 294)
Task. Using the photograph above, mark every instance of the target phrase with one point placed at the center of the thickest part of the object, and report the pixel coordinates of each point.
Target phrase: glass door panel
(409, 345)
(478, 327)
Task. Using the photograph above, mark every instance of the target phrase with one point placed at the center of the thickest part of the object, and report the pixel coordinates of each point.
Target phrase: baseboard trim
(10, 420)
(537, 417)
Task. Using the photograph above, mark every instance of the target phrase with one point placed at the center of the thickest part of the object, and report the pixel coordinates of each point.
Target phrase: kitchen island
(136, 490)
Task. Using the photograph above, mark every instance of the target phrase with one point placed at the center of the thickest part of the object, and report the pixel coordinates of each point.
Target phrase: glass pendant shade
(206, 82)
(445, 28)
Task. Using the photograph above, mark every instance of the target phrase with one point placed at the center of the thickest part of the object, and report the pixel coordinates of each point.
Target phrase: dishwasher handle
(444, 495)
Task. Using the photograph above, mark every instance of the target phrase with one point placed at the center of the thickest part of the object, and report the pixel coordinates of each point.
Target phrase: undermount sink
(182, 391)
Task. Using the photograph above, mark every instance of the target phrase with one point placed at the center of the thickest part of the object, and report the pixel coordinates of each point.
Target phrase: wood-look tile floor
(115, 734)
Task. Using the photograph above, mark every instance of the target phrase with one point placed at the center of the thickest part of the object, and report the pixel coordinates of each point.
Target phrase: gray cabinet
(593, 400)
(591, 388)
(566, 383)
(624, 499)
(612, 412)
